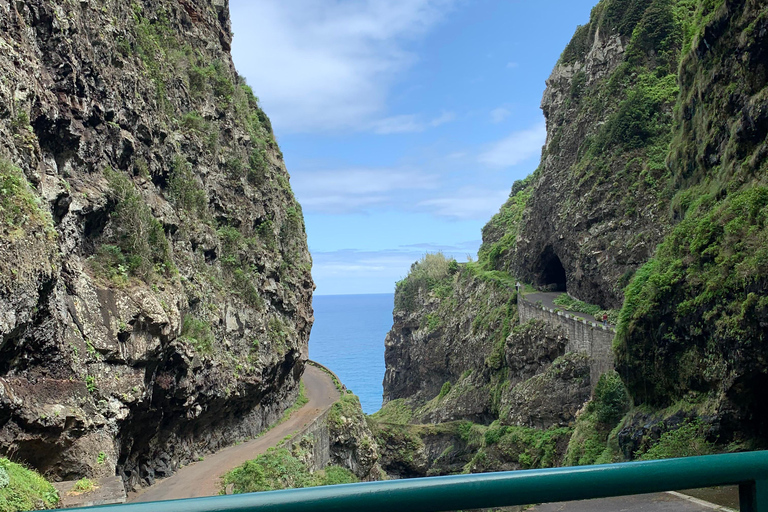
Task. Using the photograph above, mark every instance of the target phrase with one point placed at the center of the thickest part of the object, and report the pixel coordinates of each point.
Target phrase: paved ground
(547, 299)
(202, 478)
(659, 502)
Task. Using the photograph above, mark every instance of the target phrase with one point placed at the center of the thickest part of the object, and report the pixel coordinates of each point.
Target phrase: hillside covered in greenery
(650, 199)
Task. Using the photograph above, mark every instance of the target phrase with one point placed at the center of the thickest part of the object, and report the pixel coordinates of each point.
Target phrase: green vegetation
(155, 43)
(185, 191)
(20, 212)
(565, 301)
(211, 79)
(197, 333)
(432, 321)
(568, 303)
(702, 298)
(528, 447)
(278, 469)
(444, 390)
(433, 273)
(688, 440)
(84, 485)
(278, 334)
(236, 259)
(135, 244)
(22, 489)
(301, 401)
(589, 443)
(348, 406)
(500, 233)
(395, 412)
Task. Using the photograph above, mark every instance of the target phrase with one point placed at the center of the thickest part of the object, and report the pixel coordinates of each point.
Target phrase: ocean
(348, 337)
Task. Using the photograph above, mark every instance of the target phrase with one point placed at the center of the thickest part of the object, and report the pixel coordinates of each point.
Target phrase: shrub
(84, 485)
(687, 440)
(394, 411)
(334, 475)
(137, 244)
(19, 210)
(198, 333)
(24, 489)
(185, 190)
(611, 401)
(278, 469)
(429, 273)
(444, 390)
(193, 121)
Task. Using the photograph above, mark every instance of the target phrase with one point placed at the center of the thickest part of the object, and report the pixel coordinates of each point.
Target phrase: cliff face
(594, 209)
(699, 308)
(155, 288)
(652, 185)
(467, 387)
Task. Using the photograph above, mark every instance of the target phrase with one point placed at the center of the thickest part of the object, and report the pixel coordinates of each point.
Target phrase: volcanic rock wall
(155, 288)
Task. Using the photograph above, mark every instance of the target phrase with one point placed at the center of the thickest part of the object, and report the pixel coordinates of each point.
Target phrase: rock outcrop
(155, 288)
(650, 197)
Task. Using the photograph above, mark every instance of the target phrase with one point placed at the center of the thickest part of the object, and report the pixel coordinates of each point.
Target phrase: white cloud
(445, 117)
(467, 203)
(319, 65)
(515, 148)
(500, 114)
(409, 123)
(351, 190)
(512, 65)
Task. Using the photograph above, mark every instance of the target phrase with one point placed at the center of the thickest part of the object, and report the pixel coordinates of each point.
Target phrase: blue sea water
(348, 337)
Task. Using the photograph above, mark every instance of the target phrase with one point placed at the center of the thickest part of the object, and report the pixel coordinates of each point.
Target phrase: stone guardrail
(591, 338)
(570, 315)
(317, 429)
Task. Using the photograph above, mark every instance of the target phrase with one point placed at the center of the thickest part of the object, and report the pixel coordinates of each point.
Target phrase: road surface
(657, 502)
(202, 478)
(547, 299)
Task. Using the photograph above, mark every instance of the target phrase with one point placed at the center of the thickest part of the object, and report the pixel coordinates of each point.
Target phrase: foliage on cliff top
(395, 411)
(278, 469)
(24, 489)
(346, 408)
(500, 232)
(432, 273)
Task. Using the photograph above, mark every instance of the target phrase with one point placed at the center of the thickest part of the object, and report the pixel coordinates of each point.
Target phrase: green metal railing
(748, 470)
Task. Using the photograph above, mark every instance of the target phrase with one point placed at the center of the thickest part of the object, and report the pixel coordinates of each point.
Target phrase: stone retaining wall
(591, 338)
(315, 436)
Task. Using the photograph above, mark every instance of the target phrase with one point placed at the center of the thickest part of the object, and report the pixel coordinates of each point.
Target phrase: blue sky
(403, 123)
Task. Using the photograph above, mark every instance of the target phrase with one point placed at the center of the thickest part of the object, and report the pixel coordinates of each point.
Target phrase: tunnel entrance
(552, 275)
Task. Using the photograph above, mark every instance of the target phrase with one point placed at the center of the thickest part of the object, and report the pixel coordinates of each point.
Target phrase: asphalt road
(547, 299)
(202, 478)
(657, 502)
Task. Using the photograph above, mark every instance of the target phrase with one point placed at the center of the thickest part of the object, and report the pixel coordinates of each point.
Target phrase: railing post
(753, 496)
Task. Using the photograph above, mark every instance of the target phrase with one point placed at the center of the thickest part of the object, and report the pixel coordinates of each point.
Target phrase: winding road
(202, 478)
(548, 299)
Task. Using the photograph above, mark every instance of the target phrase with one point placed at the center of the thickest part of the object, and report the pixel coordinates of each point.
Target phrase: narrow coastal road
(202, 478)
(547, 299)
(657, 502)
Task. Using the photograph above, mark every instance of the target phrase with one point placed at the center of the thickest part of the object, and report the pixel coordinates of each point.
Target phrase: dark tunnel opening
(552, 277)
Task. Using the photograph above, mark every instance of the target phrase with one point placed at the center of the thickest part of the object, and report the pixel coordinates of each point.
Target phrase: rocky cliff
(650, 197)
(467, 386)
(155, 288)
